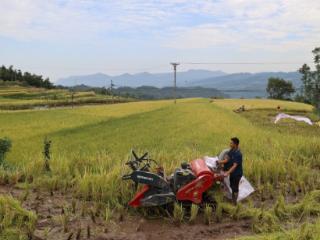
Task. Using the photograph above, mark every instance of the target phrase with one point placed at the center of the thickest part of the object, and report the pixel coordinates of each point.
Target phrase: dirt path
(83, 221)
(158, 230)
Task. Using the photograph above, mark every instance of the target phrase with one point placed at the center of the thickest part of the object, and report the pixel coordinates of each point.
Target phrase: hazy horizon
(169, 70)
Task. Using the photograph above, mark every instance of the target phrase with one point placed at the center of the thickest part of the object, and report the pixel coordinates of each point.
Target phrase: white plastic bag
(211, 162)
(245, 188)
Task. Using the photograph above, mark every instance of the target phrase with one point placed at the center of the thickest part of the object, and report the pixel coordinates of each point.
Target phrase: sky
(59, 38)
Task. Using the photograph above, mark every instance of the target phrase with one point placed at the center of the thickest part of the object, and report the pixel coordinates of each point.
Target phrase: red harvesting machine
(188, 184)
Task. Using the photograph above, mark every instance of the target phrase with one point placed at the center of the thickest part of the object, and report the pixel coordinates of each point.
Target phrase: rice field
(19, 97)
(91, 143)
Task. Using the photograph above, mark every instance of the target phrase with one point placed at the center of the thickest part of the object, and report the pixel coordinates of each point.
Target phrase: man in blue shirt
(232, 166)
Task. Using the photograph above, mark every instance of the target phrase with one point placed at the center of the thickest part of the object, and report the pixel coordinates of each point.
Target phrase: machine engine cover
(194, 190)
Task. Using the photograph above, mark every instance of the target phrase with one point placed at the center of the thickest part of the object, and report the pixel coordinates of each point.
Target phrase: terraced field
(18, 97)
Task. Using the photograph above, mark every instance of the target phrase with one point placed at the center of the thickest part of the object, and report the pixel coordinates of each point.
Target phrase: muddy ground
(82, 221)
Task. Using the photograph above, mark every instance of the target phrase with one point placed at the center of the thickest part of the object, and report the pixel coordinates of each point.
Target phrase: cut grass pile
(307, 231)
(273, 218)
(15, 221)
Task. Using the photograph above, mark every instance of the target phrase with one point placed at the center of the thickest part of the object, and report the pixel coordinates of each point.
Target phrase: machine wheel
(208, 199)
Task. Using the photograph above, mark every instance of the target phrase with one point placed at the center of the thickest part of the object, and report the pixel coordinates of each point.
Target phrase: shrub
(46, 154)
(5, 146)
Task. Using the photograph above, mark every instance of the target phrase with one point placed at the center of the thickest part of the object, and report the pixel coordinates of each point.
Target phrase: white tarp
(245, 188)
(297, 118)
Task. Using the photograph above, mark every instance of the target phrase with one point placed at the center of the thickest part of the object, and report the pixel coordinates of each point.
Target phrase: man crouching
(232, 166)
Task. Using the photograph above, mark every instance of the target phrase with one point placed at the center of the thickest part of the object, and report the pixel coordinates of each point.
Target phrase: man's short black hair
(235, 140)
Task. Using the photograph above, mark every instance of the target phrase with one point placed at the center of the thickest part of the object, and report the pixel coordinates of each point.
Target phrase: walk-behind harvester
(188, 184)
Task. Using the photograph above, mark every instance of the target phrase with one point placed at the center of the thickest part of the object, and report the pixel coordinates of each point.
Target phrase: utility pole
(106, 88)
(73, 92)
(72, 97)
(175, 81)
(111, 87)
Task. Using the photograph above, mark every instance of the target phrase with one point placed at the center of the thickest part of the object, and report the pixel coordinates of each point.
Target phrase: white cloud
(256, 19)
(174, 28)
(37, 19)
(269, 25)
(204, 36)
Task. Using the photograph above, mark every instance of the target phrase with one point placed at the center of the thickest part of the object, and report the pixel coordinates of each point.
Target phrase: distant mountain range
(246, 81)
(235, 85)
(139, 79)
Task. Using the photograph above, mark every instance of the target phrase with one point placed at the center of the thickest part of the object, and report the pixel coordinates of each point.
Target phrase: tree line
(10, 75)
(279, 88)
